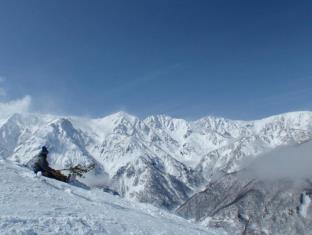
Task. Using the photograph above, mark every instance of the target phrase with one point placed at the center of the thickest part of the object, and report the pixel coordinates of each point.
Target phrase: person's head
(44, 150)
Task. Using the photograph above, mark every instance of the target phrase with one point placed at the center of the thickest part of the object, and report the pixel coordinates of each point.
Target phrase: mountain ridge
(158, 155)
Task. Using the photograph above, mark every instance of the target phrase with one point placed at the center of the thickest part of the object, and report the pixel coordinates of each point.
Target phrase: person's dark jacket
(42, 163)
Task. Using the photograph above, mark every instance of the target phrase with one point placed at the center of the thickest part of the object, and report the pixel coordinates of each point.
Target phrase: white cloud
(285, 162)
(15, 106)
(8, 108)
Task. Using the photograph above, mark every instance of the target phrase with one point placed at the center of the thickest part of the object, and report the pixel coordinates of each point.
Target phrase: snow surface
(38, 205)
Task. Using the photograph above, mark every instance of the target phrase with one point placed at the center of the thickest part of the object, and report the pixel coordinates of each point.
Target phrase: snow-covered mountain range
(159, 160)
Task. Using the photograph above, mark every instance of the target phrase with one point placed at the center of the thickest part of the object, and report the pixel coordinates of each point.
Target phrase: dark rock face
(244, 205)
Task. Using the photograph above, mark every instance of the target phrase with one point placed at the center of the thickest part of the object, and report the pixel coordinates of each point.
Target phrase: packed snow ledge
(38, 205)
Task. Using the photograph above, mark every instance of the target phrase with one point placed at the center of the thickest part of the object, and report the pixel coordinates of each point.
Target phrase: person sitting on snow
(42, 165)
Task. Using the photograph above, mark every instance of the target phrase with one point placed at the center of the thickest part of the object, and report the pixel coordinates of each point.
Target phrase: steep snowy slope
(160, 160)
(32, 205)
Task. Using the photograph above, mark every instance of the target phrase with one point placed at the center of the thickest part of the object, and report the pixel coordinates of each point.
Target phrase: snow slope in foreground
(32, 205)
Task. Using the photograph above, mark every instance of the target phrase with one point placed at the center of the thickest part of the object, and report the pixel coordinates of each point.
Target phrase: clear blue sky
(238, 59)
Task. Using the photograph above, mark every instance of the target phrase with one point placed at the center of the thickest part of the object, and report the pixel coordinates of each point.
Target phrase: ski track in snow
(38, 205)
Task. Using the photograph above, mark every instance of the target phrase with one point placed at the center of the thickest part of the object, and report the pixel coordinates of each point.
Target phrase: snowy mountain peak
(121, 116)
(167, 123)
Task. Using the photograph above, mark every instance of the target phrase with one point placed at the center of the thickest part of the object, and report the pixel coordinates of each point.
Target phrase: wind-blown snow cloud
(15, 106)
(288, 162)
(10, 107)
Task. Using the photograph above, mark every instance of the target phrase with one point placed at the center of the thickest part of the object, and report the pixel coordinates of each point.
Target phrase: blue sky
(238, 59)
